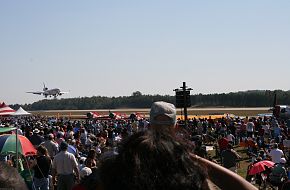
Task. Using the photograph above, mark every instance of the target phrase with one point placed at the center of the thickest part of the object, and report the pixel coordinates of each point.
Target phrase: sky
(116, 47)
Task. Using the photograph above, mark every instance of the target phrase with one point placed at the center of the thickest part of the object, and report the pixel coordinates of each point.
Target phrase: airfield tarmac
(145, 111)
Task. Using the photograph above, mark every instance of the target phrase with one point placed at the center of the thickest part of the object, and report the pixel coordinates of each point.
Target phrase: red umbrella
(260, 167)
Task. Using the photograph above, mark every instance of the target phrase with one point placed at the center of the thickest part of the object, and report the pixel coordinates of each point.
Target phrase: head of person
(275, 145)
(149, 160)
(85, 172)
(42, 151)
(10, 178)
(92, 154)
(63, 146)
(82, 160)
(50, 136)
(258, 159)
(230, 146)
(162, 116)
(36, 131)
(282, 161)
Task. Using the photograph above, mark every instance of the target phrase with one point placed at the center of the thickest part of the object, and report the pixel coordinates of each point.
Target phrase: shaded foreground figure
(10, 178)
(152, 160)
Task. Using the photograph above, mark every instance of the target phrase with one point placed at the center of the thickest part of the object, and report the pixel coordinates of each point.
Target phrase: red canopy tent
(5, 110)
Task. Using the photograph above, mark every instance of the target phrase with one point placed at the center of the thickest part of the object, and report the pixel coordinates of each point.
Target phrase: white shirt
(230, 137)
(276, 155)
(250, 127)
(266, 128)
(51, 147)
(64, 163)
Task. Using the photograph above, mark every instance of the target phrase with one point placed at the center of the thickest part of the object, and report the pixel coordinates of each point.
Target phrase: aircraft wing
(38, 93)
(63, 93)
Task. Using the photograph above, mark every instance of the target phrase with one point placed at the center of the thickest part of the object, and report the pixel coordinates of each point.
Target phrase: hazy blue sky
(116, 47)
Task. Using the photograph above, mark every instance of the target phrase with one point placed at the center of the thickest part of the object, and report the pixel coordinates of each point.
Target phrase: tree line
(253, 98)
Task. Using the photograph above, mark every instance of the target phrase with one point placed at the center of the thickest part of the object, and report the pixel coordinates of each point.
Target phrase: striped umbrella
(8, 145)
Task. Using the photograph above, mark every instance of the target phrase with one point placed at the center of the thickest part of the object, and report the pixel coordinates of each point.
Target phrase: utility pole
(184, 103)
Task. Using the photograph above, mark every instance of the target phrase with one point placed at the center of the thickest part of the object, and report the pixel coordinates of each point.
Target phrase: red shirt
(223, 143)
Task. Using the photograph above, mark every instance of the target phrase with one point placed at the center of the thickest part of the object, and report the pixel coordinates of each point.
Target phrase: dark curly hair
(10, 178)
(154, 161)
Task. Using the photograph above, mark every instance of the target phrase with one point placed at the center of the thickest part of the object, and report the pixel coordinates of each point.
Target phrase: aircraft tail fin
(44, 87)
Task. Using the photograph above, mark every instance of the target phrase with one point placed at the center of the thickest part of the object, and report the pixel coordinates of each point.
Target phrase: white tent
(20, 112)
(5, 110)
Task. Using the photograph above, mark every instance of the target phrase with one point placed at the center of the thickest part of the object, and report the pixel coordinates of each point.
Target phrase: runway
(191, 111)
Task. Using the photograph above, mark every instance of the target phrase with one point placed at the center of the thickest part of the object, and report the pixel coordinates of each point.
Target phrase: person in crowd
(250, 128)
(83, 136)
(36, 139)
(200, 149)
(230, 158)
(84, 175)
(27, 173)
(279, 174)
(222, 144)
(277, 132)
(59, 138)
(276, 154)
(51, 146)
(65, 167)
(41, 168)
(85, 172)
(82, 163)
(231, 138)
(91, 159)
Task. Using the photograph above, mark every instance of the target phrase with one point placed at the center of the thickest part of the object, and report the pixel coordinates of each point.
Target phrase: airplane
(49, 92)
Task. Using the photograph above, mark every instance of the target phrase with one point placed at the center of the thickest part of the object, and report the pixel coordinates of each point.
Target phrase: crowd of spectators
(72, 154)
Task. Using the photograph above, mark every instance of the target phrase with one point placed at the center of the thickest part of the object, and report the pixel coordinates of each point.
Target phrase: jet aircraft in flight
(54, 92)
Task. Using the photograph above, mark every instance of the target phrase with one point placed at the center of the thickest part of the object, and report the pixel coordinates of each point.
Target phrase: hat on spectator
(85, 172)
(282, 160)
(83, 159)
(162, 109)
(36, 131)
